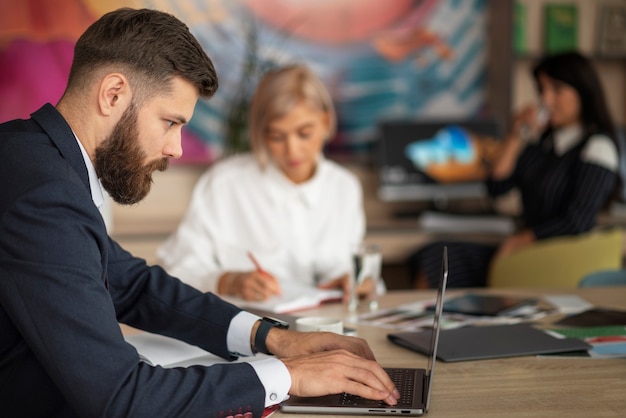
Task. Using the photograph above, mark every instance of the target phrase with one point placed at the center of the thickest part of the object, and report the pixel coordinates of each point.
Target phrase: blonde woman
(295, 211)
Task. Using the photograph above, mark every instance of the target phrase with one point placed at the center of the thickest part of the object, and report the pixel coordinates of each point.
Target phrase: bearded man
(65, 284)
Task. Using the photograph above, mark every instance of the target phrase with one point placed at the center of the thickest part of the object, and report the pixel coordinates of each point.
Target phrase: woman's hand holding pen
(249, 285)
(364, 290)
(256, 285)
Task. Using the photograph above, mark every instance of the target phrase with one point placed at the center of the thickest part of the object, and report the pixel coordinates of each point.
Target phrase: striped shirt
(564, 181)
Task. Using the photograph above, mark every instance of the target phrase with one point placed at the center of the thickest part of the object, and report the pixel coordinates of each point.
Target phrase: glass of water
(366, 266)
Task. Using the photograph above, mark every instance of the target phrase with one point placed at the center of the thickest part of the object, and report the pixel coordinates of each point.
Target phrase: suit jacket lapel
(61, 134)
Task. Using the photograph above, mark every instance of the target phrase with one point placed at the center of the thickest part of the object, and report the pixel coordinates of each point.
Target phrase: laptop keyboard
(404, 379)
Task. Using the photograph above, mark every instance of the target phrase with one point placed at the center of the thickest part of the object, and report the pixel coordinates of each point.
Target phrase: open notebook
(414, 384)
(164, 351)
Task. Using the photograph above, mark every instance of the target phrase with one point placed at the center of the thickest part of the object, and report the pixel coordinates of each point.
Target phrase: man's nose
(174, 148)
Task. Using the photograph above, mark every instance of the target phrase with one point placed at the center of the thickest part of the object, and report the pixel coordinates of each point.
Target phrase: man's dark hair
(149, 47)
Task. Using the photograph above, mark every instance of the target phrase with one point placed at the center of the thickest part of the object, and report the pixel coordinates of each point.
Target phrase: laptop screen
(434, 339)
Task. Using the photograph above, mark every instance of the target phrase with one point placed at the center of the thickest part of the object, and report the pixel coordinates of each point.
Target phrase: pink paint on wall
(32, 74)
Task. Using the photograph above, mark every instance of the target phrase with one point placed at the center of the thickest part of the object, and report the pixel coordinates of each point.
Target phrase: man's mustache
(158, 165)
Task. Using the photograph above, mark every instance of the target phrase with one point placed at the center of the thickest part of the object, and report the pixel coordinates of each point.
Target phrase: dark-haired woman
(562, 157)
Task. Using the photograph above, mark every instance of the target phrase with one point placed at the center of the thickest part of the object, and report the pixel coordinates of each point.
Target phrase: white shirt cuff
(239, 331)
(272, 372)
(274, 377)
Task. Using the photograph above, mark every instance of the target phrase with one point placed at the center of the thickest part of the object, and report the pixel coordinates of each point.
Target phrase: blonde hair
(278, 92)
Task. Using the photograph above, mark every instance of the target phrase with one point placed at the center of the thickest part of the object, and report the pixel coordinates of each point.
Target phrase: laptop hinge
(425, 393)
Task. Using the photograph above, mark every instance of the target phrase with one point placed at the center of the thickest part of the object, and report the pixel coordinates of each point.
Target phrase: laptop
(413, 384)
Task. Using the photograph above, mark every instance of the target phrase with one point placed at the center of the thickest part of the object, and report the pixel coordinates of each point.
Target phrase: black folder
(488, 342)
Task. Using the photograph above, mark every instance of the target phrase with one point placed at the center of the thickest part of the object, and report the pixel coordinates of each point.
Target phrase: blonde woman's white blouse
(299, 233)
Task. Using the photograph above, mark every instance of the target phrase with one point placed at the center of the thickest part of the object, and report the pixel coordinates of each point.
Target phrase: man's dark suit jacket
(65, 284)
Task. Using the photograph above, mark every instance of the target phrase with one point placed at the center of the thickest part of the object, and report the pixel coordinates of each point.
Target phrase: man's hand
(338, 371)
(322, 363)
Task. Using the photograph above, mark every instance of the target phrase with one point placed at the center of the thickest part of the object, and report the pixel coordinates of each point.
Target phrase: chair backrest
(561, 261)
(604, 278)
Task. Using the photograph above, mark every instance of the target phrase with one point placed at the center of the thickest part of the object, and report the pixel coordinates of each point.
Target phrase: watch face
(276, 322)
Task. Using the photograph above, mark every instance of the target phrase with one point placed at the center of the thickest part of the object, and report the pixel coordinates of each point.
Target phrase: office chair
(560, 261)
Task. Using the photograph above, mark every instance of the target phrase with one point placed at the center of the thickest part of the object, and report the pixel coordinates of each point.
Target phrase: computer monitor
(422, 160)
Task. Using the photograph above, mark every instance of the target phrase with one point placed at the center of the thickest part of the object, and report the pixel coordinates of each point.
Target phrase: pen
(257, 266)
(276, 289)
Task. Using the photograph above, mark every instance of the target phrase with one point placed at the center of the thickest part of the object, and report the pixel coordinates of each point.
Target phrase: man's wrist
(262, 330)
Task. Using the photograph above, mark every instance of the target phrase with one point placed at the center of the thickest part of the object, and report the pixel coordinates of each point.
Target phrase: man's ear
(114, 95)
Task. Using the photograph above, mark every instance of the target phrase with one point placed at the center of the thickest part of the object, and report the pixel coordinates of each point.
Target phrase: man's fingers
(339, 371)
(369, 383)
(366, 374)
(311, 342)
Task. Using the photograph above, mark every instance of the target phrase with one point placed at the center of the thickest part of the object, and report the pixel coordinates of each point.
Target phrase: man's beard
(119, 162)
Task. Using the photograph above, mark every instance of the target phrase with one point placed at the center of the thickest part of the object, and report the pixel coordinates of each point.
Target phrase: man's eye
(170, 123)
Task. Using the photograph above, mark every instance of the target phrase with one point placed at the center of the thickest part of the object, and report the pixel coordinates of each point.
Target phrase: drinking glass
(366, 265)
(529, 132)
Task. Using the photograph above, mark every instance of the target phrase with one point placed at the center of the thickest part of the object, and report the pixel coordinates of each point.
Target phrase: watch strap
(261, 334)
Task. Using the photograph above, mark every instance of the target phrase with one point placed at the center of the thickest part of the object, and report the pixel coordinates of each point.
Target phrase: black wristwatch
(267, 323)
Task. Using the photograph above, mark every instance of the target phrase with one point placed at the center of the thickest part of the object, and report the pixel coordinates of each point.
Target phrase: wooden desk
(515, 387)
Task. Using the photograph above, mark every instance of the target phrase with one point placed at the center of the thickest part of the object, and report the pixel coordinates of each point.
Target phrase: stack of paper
(164, 351)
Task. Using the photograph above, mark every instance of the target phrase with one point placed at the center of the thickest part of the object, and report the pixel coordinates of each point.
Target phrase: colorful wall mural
(381, 59)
